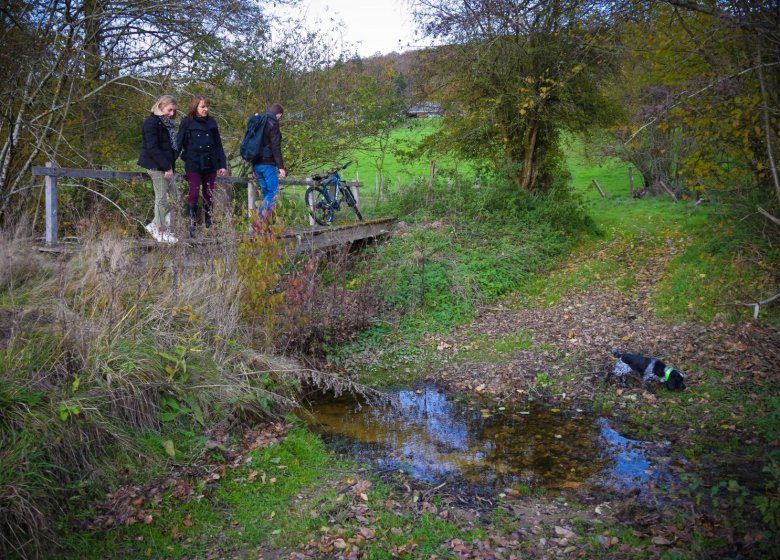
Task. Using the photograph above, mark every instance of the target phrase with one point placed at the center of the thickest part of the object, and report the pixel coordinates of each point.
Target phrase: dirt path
(574, 337)
(569, 350)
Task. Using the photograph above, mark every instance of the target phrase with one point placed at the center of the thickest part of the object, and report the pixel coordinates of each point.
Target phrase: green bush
(459, 247)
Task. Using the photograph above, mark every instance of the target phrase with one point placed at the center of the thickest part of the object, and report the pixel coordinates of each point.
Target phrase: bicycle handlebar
(334, 171)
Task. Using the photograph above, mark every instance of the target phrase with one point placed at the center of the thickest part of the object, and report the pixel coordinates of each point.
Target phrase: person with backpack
(158, 157)
(264, 151)
(203, 155)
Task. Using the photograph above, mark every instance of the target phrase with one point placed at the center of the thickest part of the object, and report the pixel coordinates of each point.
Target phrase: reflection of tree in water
(541, 448)
(434, 437)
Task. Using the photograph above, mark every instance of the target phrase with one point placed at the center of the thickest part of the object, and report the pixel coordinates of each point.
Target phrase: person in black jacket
(158, 156)
(203, 155)
(270, 167)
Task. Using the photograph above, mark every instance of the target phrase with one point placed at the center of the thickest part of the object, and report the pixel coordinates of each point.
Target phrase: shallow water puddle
(435, 437)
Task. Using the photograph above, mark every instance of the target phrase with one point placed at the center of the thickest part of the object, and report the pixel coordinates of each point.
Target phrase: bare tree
(66, 61)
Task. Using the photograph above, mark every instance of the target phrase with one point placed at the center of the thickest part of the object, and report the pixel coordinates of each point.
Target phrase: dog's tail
(615, 352)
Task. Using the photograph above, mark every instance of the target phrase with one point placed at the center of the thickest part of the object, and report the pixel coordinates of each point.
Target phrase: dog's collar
(667, 372)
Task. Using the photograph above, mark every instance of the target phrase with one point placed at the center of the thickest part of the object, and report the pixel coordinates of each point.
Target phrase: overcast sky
(371, 25)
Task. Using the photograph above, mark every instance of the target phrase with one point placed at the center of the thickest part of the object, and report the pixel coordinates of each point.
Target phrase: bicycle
(322, 206)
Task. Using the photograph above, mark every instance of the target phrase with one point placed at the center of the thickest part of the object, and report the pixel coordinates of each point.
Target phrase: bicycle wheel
(349, 198)
(318, 205)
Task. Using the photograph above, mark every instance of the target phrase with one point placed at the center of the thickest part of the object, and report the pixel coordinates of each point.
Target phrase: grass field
(709, 268)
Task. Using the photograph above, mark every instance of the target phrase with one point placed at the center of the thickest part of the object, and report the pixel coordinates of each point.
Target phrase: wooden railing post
(311, 209)
(50, 188)
(356, 193)
(251, 198)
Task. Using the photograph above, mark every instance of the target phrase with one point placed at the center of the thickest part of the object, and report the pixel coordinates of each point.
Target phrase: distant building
(424, 110)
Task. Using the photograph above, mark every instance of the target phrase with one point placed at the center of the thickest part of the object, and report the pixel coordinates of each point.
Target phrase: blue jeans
(268, 181)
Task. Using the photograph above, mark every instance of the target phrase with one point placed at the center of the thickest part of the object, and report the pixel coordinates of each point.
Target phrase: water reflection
(436, 438)
(630, 466)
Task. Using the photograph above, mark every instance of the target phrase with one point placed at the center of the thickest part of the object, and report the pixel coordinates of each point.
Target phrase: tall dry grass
(98, 346)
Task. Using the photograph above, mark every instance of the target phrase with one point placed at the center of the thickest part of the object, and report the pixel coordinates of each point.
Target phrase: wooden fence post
(50, 188)
(356, 193)
(599, 188)
(311, 209)
(251, 198)
(631, 180)
(431, 175)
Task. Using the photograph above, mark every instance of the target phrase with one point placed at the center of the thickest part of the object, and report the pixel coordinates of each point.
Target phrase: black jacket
(156, 150)
(272, 137)
(201, 145)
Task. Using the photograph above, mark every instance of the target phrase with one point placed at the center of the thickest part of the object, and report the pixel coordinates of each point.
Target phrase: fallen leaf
(170, 450)
(563, 532)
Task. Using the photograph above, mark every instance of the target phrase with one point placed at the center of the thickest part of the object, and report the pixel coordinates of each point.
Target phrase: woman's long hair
(193, 113)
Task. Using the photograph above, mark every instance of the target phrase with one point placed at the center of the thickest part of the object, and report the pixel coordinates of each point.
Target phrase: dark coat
(156, 150)
(272, 137)
(201, 145)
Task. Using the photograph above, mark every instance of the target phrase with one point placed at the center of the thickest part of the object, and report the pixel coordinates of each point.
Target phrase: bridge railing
(51, 173)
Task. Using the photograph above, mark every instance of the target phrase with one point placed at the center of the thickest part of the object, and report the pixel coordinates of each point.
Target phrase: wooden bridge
(301, 239)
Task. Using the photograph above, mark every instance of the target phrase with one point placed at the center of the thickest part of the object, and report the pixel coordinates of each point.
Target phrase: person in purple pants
(203, 155)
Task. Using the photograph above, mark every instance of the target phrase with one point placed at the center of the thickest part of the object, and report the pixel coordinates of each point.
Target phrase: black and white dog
(651, 369)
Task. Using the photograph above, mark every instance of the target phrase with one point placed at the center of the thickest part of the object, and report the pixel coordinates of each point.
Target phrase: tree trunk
(768, 133)
(529, 172)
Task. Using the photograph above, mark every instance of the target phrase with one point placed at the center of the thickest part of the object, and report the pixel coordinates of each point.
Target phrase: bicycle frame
(335, 178)
(322, 209)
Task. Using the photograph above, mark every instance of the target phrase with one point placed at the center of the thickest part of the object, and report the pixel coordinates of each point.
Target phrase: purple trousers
(195, 180)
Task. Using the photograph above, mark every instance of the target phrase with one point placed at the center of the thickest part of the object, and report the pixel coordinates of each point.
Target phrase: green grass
(401, 170)
(434, 277)
(400, 165)
(240, 511)
(494, 348)
(706, 252)
(284, 497)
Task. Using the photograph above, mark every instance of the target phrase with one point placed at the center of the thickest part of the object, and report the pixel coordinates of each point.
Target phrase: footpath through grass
(714, 263)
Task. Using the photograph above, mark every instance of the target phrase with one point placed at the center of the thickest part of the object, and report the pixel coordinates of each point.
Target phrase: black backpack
(252, 144)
